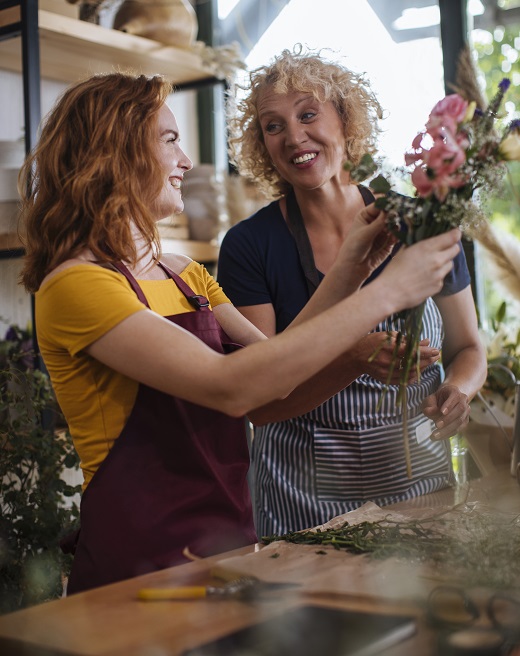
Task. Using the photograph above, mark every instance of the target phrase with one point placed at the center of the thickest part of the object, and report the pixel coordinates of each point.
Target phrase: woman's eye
(307, 116)
(272, 128)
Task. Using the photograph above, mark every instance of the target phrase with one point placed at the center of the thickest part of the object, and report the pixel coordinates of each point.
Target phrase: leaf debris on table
(481, 547)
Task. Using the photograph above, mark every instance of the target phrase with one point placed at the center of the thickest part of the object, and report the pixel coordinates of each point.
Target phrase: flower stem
(412, 332)
(406, 437)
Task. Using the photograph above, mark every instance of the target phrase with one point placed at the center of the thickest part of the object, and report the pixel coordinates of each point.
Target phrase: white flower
(493, 342)
(509, 148)
(470, 112)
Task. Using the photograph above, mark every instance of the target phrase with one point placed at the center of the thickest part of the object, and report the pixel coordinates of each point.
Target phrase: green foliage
(365, 169)
(498, 55)
(36, 506)
(479, 548)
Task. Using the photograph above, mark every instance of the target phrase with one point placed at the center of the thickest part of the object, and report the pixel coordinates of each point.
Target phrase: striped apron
(349, 450)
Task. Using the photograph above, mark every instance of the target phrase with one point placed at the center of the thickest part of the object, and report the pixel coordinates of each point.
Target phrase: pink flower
(422, 182)
(448, 113)
(418, 152)
(444, 158)
(437, 169)
(439, 186)
(412, 158)
(440, 169)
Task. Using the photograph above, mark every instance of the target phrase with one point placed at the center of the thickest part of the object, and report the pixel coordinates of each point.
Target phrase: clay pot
(172, 22)
(204, 202)
(88, 12)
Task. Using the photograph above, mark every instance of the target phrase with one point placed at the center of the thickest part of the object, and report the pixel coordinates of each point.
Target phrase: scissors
(245, 588)
(452, 611)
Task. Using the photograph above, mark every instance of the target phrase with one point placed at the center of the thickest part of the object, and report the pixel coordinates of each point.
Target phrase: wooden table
(110, 621)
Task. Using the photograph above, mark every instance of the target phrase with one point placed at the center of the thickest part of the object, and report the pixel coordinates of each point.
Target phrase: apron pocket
(370, 465)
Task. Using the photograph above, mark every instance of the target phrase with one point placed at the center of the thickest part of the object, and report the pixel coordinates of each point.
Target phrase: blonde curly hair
(308, 72)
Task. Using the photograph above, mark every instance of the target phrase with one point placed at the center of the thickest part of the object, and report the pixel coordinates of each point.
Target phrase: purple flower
(11, 334)
(21, 348)
(504, 84)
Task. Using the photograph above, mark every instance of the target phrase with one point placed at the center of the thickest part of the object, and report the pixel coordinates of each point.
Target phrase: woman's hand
(449, 409)
(368, 243)
(374, 355)
(418, 271)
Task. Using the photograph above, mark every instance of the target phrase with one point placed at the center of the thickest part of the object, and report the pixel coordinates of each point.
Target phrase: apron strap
(198, 301)
(297, 227)
(366, 194)
(299, 233)
(133, 282)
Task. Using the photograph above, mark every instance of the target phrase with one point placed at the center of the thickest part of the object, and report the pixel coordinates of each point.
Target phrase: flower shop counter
(113, 621)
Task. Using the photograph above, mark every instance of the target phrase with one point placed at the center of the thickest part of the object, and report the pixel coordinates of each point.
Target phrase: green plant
(36, 504)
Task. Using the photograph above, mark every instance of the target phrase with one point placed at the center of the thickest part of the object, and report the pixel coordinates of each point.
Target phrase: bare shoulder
(177, 263)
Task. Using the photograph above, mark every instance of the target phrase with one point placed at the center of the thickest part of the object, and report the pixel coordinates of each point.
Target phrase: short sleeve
(80, 304)
(241, 270)
(458, 278)
(202, 282)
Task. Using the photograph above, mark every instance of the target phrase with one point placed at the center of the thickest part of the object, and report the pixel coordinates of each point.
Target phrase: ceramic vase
(172, 22)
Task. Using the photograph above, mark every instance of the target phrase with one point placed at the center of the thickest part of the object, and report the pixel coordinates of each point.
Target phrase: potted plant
(37, 504)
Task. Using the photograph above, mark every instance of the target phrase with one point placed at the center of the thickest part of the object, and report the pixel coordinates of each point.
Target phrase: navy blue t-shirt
(259, 263)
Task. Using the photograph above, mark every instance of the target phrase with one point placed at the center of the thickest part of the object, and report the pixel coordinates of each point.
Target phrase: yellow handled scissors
(242, 588)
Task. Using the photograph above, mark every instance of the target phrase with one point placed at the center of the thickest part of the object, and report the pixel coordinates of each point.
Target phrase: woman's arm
(153, 351)
(312, 392)
(336, 376)
(464, 360)
(367, 247)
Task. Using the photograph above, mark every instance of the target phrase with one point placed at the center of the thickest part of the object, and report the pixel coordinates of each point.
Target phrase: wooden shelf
(200, 251)
(70, 49)
(9, 241)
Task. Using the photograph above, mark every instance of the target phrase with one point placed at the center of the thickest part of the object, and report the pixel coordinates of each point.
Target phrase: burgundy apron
(174, 478)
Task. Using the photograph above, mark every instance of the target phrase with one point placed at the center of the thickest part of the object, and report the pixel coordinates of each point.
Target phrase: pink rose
(445, 157)
(418, 152)
(439, 186)
(448, 113)
(422, 182)
(439, 171)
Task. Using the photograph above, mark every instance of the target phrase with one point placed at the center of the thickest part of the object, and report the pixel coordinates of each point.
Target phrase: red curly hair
(92, 173)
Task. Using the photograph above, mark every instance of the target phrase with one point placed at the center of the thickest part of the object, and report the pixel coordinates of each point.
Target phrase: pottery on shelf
(172, 22)
(203, 193)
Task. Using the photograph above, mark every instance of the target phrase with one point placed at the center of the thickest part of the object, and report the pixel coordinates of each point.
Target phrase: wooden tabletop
(111, 621)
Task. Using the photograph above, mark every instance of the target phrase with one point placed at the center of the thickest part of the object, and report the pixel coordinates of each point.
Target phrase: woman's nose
(295, 134)
(184, 161)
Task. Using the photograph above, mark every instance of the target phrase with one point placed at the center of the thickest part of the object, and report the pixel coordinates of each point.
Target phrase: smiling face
(174, 164)
(303, 136)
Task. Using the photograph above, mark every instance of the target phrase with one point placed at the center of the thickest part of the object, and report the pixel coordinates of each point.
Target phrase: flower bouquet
(459, 152)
